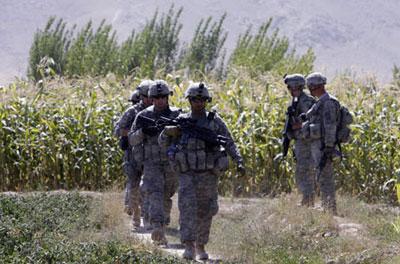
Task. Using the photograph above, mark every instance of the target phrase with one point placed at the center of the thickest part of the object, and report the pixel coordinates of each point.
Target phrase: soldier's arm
(230, 146)
(136, 135)
(329, 119)
(169, 135)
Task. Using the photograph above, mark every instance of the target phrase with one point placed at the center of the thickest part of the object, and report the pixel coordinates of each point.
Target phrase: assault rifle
(290, 115)
(188, 128)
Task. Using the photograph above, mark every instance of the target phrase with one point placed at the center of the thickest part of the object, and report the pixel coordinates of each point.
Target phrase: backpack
(343, 129)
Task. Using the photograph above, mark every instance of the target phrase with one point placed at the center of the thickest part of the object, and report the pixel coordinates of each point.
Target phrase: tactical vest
(151, 151)
(193, 154)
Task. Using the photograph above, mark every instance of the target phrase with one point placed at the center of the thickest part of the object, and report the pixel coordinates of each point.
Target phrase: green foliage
(262, 52)
(202, 54)
(63, 139)
(396, 76)
(51, 42)
(153, 50)
(58, 145)
(167, 39)
(40, 229)
(93, 53)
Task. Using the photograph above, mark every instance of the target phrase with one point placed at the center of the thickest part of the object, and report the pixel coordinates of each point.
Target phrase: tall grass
(63, 139)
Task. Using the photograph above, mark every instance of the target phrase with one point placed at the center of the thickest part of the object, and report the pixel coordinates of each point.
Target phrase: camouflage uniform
(321, 128)
(304, 167)
(130, 167)
(199, 167)
(159, 181)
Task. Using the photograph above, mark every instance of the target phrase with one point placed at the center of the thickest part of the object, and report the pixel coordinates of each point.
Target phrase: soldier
(131, 168)
(322, 127)
(199, 165)
(301, 103)
(159, 181)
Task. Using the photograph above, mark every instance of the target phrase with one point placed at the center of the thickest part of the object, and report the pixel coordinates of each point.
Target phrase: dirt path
(173, 248)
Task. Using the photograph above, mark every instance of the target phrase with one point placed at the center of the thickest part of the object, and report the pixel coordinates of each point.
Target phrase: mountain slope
(361, 35)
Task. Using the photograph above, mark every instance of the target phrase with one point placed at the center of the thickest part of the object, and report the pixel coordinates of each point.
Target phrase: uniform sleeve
(136, 135)
(117, 130)
(329, 122)
(125, 122)
(306, 103)
(230, 146)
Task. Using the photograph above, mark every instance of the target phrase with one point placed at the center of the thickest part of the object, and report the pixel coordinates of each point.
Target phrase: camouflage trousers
(326, 179)
(132, 194)
(198, 203)
(305, 173)
(159, 185)
(145, 203)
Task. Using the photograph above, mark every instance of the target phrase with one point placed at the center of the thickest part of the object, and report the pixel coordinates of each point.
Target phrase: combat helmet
(198, 89)
(135, 97)
(144, 87)
(159, 88)
(315, 78)
(294, 80)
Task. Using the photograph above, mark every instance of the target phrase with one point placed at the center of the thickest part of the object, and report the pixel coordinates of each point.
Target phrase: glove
(328, 152)
(303, 117)
(290, 110)
(241, 169)
(150, 131)
(124, 143)
(172, 131)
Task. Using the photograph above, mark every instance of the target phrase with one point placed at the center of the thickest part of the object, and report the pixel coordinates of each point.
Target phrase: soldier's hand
(296, 125)
(172, 131)
(241, 169)
(150, 130)
(303, 117)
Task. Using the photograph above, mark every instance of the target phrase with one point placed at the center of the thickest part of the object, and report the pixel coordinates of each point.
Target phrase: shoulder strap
(210, 115)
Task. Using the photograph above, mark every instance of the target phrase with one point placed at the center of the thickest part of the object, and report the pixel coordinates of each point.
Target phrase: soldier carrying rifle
(199, 154)
(301, 103)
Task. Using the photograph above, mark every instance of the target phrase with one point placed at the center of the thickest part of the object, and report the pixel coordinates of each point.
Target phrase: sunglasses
(312, 87)
(159, 96)
(198, 99)
(291, 87)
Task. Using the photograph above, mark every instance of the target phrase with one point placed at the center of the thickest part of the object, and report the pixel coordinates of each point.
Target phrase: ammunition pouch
(315, 131)
(138, 154)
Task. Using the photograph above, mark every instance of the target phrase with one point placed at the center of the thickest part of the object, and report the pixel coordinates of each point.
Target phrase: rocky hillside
(358, 35)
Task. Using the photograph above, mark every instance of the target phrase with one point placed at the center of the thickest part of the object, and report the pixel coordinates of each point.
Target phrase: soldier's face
(147, 101)
(316, 90)
(294, 90)
(160, 102)
(198, 104)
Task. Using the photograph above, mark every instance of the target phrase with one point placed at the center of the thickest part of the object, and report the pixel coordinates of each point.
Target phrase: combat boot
(189, 250)
(201, 252)
(158, 235)
(146, 223)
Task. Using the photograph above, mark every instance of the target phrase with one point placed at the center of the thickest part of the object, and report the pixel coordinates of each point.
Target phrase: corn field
(58, 134)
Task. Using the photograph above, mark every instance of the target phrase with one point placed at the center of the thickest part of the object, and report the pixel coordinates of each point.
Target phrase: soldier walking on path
(200, 161)
(159, 181)
(131, 167)
(301, 103)
(322, 125)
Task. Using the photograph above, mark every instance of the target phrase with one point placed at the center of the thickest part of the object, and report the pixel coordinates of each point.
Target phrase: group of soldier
(166, 150)
(314, 127)
(188, 156)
